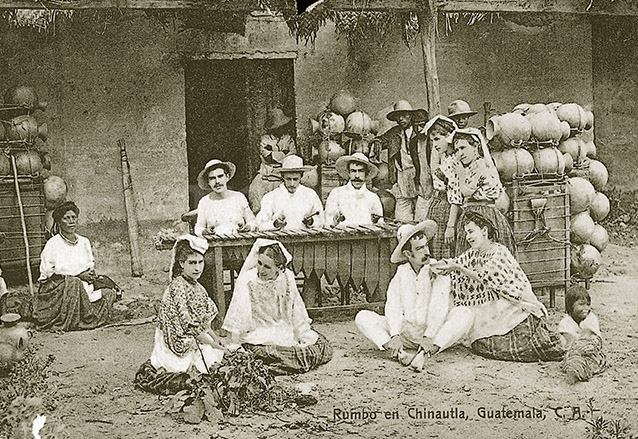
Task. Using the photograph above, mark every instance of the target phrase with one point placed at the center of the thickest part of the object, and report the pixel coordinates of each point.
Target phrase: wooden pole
(25, 237)
(427, 25)
(131, 217)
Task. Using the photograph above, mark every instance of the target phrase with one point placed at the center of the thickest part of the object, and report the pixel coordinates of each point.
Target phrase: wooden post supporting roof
(427, 29)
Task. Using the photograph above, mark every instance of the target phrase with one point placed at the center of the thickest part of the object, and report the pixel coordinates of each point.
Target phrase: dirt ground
(94, 370)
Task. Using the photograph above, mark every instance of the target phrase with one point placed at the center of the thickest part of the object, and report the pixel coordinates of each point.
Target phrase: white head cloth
(251, 259)
(478, 136)
(428, 126)
(200, 245)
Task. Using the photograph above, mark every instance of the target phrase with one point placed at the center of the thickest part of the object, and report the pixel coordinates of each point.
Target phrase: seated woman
(185, 343)
(71, 296)
(222, 211)
(496, 313)
(268, 317)
(479, 185)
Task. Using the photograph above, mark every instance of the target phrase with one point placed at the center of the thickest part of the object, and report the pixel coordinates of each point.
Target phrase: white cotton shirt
(570, 330)
(60, 257)
(357, 205)
(293, 207)
(417, 303)
(223, 216)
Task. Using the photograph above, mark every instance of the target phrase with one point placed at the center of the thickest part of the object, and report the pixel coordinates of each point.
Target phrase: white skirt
(162, 356)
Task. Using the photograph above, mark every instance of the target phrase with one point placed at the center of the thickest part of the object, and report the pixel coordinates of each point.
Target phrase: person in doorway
(353, 204)
(274, 146)
(71, 296)
(417, 302)
(459, 111)
(291, 206)
(403, 159)
(222, 211)
(496, 313)
(267, 316)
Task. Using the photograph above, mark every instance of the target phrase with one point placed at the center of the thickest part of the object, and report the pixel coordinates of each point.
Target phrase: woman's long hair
(182, 250)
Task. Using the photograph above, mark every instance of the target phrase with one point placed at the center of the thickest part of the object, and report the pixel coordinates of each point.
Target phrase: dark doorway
(226, 106)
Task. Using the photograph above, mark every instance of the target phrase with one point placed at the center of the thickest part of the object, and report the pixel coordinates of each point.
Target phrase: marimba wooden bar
(351, 255)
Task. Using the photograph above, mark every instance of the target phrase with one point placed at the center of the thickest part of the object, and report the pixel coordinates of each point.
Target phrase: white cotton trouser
(455, 329)
(376, 329)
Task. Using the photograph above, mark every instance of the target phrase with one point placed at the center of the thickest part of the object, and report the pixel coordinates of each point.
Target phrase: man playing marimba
(417, 303)
(353, 204)
(291, 206)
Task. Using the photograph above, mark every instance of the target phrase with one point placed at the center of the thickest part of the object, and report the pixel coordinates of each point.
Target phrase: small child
(581, 337)
(4, 293)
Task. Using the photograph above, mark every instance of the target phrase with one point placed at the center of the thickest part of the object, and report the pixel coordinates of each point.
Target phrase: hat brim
(342, 167)
(463, 113)
(202, 177)
(280, 124)
(285, 170)
(394, 115)
(428, 227)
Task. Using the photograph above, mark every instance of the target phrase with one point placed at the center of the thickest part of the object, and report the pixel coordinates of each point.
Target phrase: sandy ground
(94, 370)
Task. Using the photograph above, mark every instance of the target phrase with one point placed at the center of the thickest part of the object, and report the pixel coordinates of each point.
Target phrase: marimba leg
(311, 292)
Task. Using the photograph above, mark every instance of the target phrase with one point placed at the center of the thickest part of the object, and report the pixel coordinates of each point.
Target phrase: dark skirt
(584, 358)
(503, 229)
(62, 304)
(282, 360)
(161, 382)
(437, 209)
(529, 341)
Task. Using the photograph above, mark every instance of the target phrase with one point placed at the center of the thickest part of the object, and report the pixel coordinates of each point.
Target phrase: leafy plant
(239, 384)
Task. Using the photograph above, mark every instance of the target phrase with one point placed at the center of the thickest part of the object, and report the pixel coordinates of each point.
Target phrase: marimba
(351, 255)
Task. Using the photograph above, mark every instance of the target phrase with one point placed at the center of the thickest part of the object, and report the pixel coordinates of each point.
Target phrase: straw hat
(406, 232)
(10, 318)
(276, 118)
(344, 161)
(459, 108)
(399, 108)
(202, 178)
(292, 163)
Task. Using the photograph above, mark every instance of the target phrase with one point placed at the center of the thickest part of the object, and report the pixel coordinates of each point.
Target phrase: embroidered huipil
(186, 312)
(417, 304)
(223, 216)
(357, 205)
(445, 179)
(483, 180)
(292, 207)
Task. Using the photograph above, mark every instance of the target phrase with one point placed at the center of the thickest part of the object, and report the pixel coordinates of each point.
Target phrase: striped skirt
(437, 209)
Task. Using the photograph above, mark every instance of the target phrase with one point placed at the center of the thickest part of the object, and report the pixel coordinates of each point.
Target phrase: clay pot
(330, 151)
(572, 114)
(538, 108)
(585, 261)
(589, 120)
(26, 128)
(503, 202)
(549, 161)
(582, 227)
(360, 123)
(600, 238)
(5, 165)
(569, 162)
(581, 194)
(573, 146)
(22, 95)
(545, 126)
(343, 103)
(12, 333)
(28, 163)
(328, 123)
(513, 162)
(598, 175)
(509, 127)
(599, 207)
(55, 191)
(567, 131)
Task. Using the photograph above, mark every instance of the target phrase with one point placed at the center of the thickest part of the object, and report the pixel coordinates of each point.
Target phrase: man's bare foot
(406, 357)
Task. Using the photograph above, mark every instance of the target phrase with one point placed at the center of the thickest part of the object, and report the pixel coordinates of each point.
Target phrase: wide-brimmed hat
(406, 232)
(419, 116)
(399, 108)
(344, 161)
(276, 118)
(202, 178)
(293, 163)
(459, 108)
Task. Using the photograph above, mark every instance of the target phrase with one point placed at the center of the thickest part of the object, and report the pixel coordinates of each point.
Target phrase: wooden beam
(427, 23)
(210, 5)
(619, 7)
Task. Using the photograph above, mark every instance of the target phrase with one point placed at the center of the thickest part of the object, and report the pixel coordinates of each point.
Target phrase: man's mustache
(357, 179)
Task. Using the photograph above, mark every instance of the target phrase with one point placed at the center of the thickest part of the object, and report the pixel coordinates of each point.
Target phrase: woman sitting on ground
(185, 343)
(222, 211)
(268, 316)
(71, 296)
(496, 313)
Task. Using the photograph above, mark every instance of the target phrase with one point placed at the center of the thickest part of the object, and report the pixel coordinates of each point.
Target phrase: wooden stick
(24, 225)
(131, 217)
(427, 23)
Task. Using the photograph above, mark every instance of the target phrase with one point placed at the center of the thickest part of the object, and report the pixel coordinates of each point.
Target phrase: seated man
(292, 205)
(353, 204)
(417, 303)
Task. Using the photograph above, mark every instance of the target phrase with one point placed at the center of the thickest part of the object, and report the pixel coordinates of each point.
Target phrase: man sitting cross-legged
(417, 302)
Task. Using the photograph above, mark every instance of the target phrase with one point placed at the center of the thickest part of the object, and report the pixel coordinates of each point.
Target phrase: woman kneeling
(496, 313)
(267, 314)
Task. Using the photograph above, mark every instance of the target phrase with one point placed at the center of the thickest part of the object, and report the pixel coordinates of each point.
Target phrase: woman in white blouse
(221, 212)
(71, 296)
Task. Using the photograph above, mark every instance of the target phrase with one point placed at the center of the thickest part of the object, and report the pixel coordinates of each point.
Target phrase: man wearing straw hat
(404, 163)
(353, 204)
(292, 205)
(459, 111)
(417, 302)
(277, 143)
